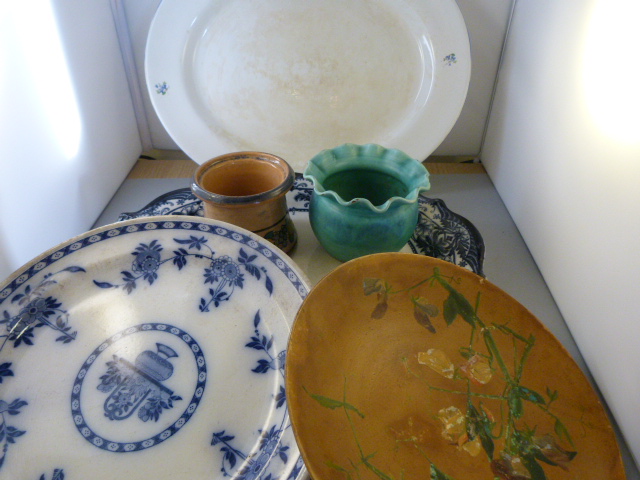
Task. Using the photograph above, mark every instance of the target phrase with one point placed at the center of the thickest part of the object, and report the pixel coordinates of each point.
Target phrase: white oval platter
(293, 77)
(151, 348)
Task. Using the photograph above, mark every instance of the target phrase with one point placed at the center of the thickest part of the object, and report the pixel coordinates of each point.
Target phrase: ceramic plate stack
(151, 348)
(293, 77)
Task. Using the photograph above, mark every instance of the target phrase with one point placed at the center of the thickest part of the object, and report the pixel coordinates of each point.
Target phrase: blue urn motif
(138, 386)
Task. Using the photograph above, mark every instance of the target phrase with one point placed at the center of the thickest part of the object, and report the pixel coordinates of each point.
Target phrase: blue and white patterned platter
(148, 349)
(440, 233)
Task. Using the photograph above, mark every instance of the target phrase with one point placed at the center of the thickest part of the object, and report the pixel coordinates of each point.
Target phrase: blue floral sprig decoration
(231, 454)
(37, 309)
(5, 370)
(161, 88)
(261, 342)
(450, 59)
(8, 433)
(270, 446)
(58, 474)
(223, 273)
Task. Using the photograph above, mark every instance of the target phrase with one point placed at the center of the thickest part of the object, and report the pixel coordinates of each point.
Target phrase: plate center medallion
(138, 388)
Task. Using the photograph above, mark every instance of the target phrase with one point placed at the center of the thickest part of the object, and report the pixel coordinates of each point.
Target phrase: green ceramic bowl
(365, 199)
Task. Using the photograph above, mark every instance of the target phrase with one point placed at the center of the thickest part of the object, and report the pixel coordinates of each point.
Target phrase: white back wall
(68, 129)
(563, 150)
(486, 22)
(68, 135)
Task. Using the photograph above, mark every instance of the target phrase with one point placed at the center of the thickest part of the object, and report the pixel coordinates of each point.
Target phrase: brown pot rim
(278, 191)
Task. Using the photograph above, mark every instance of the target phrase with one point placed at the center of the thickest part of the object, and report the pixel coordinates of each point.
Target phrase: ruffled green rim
(350, 156)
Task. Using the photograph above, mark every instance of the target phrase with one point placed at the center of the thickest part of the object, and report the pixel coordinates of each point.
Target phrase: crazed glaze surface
(292, 77)
(151, 348)
(405, 366)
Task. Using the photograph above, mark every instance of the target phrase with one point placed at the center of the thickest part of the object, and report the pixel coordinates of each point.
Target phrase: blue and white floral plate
(440, 233)
(151, 348)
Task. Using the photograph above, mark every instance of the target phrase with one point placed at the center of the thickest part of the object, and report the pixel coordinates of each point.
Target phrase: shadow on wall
(562, 151)
(71, 135)
(5, 265)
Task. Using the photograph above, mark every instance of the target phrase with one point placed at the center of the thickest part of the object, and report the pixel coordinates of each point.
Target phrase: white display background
(68, 135)
(562, 147)
(75, 112)
(563, 150)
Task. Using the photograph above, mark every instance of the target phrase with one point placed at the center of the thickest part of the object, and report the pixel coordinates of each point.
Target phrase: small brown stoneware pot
(248, 189)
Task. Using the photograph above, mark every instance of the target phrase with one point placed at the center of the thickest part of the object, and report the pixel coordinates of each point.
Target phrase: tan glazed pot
(248, 189)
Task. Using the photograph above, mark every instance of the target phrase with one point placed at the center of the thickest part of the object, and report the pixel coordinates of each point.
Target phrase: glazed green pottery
(365, 199)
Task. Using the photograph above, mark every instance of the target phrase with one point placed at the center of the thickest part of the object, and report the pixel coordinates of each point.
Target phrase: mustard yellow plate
(404, 367)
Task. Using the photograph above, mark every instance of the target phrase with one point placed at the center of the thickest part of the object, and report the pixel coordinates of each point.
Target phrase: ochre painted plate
(401, 366)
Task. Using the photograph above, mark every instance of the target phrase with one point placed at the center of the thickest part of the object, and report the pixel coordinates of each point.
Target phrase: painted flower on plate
(438, 361)
(223, 268)
(477, 369)
(37, 310)
(147, 260)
